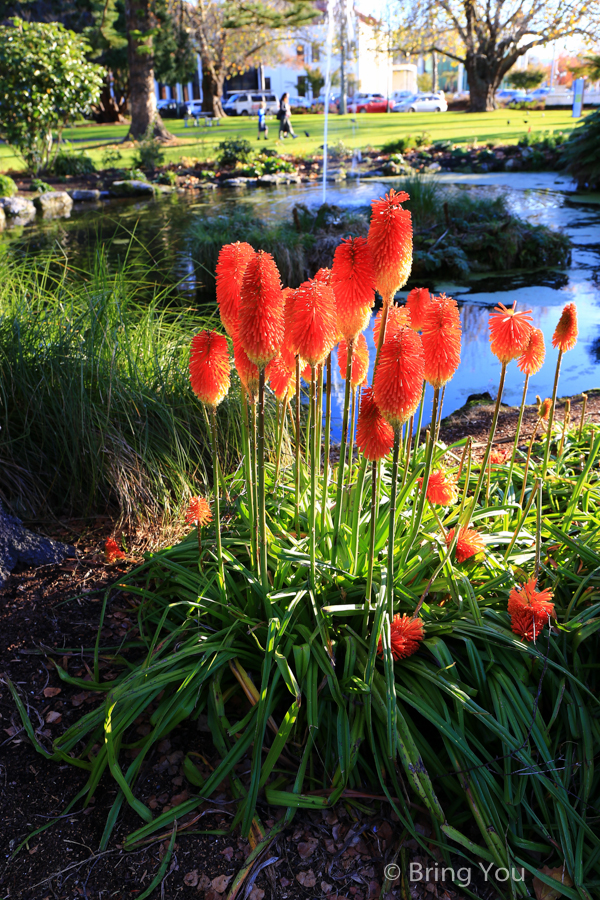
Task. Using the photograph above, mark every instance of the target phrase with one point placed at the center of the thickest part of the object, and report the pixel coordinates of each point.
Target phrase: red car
(375, 106)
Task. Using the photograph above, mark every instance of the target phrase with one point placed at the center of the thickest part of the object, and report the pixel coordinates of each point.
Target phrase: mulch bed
(52, 613)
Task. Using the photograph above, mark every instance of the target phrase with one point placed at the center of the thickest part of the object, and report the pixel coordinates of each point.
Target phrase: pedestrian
(285, 116)
(262, 121)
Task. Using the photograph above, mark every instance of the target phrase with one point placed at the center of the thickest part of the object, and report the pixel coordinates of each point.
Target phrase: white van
(246, 103)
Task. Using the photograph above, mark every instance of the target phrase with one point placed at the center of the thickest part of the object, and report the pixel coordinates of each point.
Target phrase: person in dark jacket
(285, 117)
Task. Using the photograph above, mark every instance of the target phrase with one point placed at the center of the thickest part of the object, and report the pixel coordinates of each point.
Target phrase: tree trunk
(483, 78)
(212, 91)
(434, 72)
(108, 110)
(142, 99)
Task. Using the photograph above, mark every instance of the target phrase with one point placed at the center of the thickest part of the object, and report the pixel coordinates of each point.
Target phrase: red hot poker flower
(544, 410)
(398, 317)
(323, 275)
(498, 456)
(565, 333)
(360, 360)
(281, 373)
(405, 636)
(112, 551)
(261, 319)
(398, 379)
(390, 242)
(469, 543)
(198, 512)
(530, 609)
(209, 367)
(374, 436)
(353, 282)
(509, 332)
(441, 333)
(231, 265)
(531, 359)
(246, 369)
(313, 324)
(441, 489)
(418, 302)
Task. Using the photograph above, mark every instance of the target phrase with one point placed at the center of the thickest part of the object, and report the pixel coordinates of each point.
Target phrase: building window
(300, 51)
(268, 83)
(315, 53)
(302, 85)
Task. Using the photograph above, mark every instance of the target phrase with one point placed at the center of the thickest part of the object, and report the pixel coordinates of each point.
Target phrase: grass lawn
(361, 131)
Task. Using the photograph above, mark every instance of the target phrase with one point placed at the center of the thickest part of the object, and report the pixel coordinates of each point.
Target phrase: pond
(155, 233)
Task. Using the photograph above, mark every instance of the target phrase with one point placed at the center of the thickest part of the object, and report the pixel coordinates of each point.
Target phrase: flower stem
(531, 443)
(372, 530)
(408, 449)
(313, 475)
(262, 519)
(439, 415)
(297, 473)
(566, 420)
(551, 416)
(327, 438)
(488, 448)
(420, 419)
(351, 447)
(517, 435)
(215, 461)
(342, 462)
(392, 526)
(248, 474)
(428, 458)
(582, 420)
(284, 408)
(523, 517)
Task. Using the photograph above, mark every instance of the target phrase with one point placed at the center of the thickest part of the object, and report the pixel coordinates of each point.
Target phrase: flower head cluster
(246, 369)
(498, 456)
(261, 319)
(530, 609)
(441, 332)
(198, 512)
(397, 317)
(441, 489)
(231, 265)
(398, 378)
(313, 322)
(405, 636)
(544, 409)
(390, 241)
(565, 333)
(281, 374)
(469, 543)
(418, 302)
(353, 283)
(374, 436)
(531, 359)
(209, 367)
(112, 551)
(360, 360)
(509, 332)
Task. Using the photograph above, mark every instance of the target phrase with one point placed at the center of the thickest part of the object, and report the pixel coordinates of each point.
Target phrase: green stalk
(352, 423)
(551, 416)
(526, 470)
(284, 408)
(488, 448)
(327, 438)
(420, 419)
(566, 420)
(392, 526)
(313, 477)
(517, 435)
(297, 473)
(523, 517)
(248, 474)
(215, 462)
(582, 420)
(439, 415)
(342, 462)
(408, 449)
(262, 518)
(426, 472)
(356, 511)
(372, 531)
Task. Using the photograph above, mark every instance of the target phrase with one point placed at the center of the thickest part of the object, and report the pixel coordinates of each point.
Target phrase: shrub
(68, 163)
(167, 177)
(8, 188)
(234, 151)
(581, 152)
(40, 186)
(399, 145)
(111, 158)
(423, 139)
(442, 145)
(150, 153)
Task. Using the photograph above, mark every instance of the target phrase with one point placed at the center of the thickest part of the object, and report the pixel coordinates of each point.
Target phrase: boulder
(17, 206)
(132, 189)
(19, 545)
(53, 204)
(271, 178)
(238, 182)
(81, 196)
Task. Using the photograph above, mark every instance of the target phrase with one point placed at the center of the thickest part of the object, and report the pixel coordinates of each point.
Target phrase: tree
(526, 79)
(493, 34)
(589, 68)
(46, 80)
(140, 21)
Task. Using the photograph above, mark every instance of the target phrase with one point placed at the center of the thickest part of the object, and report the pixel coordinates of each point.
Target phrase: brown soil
(52, 614)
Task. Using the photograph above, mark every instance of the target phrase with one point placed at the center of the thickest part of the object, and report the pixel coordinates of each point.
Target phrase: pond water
(159, 237)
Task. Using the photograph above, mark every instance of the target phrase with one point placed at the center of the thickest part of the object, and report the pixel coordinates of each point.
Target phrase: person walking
(262, 121)
(285, 117)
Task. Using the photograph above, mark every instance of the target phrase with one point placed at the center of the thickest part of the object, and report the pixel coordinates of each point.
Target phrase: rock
(81, 196)
(2, 219)
(271, 178)
(17, 544)
(513, 164)
(132, 189)
(433, 167)
(17, 206)
(484, 397)
(242, 181)
(292, 179)
(163, 188)
(54, 203)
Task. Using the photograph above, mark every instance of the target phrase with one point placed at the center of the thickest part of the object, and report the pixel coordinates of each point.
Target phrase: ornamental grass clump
(395, 640)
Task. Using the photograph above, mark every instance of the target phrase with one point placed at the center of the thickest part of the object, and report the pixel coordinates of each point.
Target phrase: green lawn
(362, 131)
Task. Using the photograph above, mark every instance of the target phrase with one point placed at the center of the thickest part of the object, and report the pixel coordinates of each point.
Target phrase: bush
(8, 188)
(423, 139)
(40, 186)
(399, 145)
(237, 150)
(167, 177)
(111, 158)
(581, 152)
(68, 163)
(150, 153)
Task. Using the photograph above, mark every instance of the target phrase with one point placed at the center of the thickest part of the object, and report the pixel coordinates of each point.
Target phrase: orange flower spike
(565, 333)
(441, 333)
(282, 376)
(530, 609)
(353, 282)
(209, 367)
(313, 325)
(545, 408)
(531, 359)
(112, 551)
(360, 360)
(441, 490)
(198, 512)
(398, 379)
(405, 636)
(261, 315)
(509, 332)
(323, 275)
(498, 456)
(246, 369)
(469, 543)
(374, 436)
(230, 268)
(418, 302)
(390, 240)
(398, 317)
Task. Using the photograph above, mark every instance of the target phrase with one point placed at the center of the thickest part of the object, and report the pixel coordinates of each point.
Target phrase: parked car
(376, 106)
(505, 96)
(247, 103)
(171, 109)
(297, 101)
(422, 103)
(399, 96)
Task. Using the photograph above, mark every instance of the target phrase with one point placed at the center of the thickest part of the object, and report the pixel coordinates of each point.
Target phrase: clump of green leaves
(581, 152)
(8, 188)
(399, 145)
(111, 158)
(68, 163)
(42, 187)
(46, 81)
(234, 151)
(150, 153)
